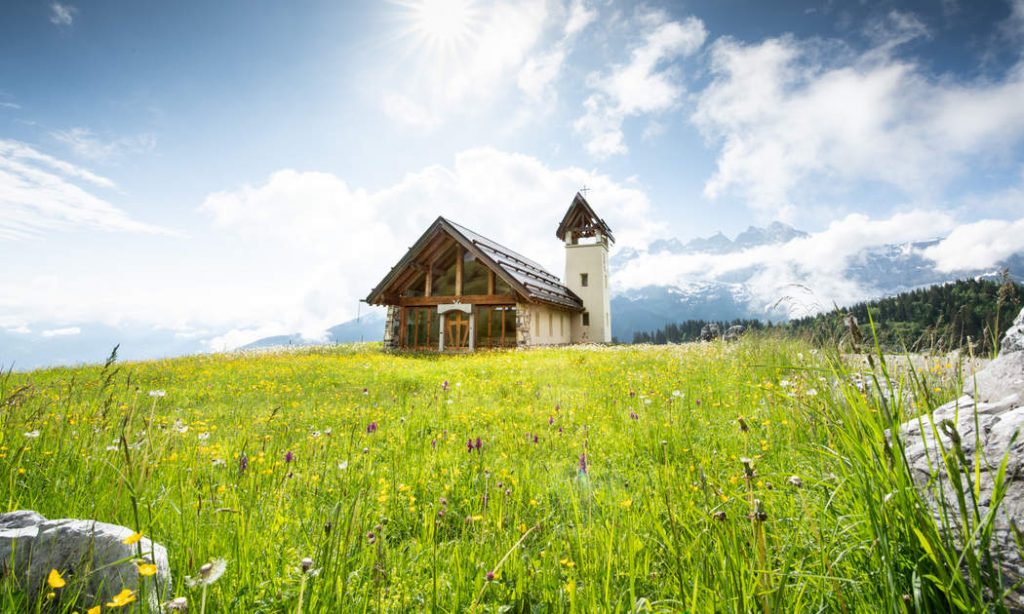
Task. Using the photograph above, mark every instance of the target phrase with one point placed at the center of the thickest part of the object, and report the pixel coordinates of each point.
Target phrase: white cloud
(539, 72)
(460, 63)
(86, 144)
(978, 245)
(809, 271)
(580, 16)
(62, 15)
(69, 331)
(340, 241)
(648, 83)
(897, 28)
(792, 118)
(38, 192)
(542, 69)
(238, 337)
(409, 112)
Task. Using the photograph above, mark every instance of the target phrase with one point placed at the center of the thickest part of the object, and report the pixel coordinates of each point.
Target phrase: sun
(440, 24)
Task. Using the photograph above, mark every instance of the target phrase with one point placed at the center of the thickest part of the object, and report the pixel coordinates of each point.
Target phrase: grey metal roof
(539, 284)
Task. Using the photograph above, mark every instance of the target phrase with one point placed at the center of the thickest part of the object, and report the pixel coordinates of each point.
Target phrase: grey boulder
(90, 555)
(988, 422)
(734, 332)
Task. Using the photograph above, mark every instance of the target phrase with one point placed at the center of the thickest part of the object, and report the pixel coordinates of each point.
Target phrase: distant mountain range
(878, 271)
(737, 292)
(366, 328)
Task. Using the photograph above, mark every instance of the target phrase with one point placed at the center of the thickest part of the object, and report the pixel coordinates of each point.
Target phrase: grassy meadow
(713, 477)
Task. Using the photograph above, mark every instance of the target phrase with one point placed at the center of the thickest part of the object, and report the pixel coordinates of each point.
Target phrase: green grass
(406, 518)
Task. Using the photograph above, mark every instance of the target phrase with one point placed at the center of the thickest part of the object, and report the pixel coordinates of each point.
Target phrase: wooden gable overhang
(528, 280)
(582, 221)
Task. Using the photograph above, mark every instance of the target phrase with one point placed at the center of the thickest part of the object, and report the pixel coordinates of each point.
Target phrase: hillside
(940, 317)
(572, 479)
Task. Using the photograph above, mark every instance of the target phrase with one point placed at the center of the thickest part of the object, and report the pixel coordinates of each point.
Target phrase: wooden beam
(490, 281)
(436, 249)
(458, 271)
(402, 319)
(470, 299)
(430, 282)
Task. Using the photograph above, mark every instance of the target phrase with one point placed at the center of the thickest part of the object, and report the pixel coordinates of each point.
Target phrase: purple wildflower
(559, 429)
(551, 420)
(243, 462)
(634, 416)
(372, 428)
(536, 439)
(558, 407)
(433, 443)
(444, 385)
(490, 576)
(469, 445)
(289, 456)
(479, 444)
(583, 463)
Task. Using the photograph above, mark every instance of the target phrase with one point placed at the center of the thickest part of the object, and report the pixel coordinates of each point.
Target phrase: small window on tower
(586, 319)
(584, 280)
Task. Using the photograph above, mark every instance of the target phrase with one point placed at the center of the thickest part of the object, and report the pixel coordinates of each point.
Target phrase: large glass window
(416, 288)
(474, 275)
(500, 287)
(495, 326)
(444, 274)
(421, 328)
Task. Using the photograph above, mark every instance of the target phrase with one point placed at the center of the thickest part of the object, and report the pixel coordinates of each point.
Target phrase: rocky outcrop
(988, 425)
(91, 556)
(710, 332)
(734, 332)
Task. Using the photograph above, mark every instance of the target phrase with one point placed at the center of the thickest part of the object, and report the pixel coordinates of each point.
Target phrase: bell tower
(586, 238)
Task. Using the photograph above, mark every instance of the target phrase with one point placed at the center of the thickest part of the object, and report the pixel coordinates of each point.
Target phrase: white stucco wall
(591, 259)
(549, 326)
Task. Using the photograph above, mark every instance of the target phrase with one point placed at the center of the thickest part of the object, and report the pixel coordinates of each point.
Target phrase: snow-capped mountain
(776, 272)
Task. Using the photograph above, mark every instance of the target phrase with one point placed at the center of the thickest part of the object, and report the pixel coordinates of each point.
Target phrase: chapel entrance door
(456, 333)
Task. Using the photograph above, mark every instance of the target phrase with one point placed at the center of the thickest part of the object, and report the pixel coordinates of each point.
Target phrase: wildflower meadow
(709, 477)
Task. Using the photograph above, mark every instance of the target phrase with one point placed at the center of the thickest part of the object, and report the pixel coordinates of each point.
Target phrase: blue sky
(235, 169)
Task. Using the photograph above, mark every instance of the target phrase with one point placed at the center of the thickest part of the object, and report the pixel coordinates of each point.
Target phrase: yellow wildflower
(94, 610)
(55, 580)
(132, 539)
(147, 569)
(122, 599)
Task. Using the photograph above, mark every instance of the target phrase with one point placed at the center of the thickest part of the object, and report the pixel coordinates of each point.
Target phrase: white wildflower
(209, 573)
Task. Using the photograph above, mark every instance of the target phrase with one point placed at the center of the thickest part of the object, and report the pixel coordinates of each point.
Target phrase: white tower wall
(590, 259)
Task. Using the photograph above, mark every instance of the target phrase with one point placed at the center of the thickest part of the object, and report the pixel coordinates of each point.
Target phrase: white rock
(83, 551)
(986, 419)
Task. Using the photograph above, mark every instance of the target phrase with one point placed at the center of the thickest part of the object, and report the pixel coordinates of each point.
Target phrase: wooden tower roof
(581, 220)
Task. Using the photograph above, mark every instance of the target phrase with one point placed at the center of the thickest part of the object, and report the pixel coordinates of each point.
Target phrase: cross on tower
(584, 190)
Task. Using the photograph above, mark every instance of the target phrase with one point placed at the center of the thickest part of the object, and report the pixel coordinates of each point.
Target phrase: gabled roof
(525, 276)
(581, 219)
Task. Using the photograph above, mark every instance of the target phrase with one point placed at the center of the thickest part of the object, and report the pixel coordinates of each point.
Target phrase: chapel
(456, 290)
